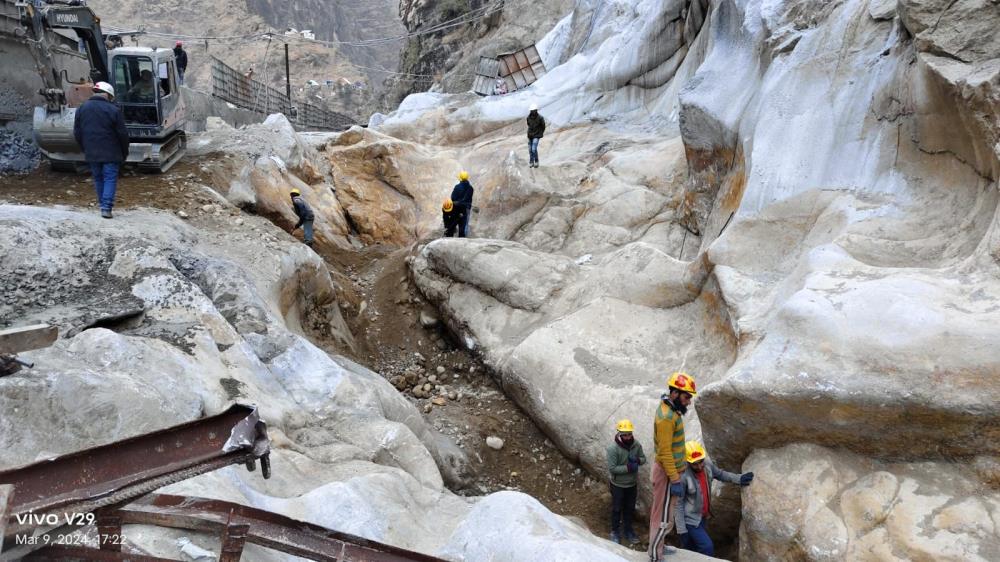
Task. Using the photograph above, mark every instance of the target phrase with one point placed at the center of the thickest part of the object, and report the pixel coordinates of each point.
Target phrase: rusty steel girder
(65, 488)
(104, 483)
(264, 528)
(84, 554)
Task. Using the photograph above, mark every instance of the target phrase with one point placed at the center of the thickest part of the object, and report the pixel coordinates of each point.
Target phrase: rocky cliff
(794, 201)
(445, 60)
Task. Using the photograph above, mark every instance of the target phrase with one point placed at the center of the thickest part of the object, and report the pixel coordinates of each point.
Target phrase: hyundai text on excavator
(145, 82)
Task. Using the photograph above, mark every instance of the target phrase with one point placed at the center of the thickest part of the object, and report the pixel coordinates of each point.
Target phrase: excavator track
(161, 156)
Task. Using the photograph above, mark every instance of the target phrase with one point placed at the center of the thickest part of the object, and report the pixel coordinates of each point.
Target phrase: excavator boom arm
(80, 19)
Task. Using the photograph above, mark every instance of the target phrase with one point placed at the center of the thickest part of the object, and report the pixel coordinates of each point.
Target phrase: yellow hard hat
(626, 425)
(447, 206)
(693, 451)
(683, 382)
(463, 175)
(295, 191)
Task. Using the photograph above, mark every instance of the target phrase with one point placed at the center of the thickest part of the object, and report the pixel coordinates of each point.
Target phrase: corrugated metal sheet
(518, 70)
(521, 68)
(486, 76)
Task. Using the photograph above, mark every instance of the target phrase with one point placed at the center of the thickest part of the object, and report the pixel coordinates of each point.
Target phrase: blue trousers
(697, 539)
(105, 183)
(533, 150)
(463, 223)
(307, 232)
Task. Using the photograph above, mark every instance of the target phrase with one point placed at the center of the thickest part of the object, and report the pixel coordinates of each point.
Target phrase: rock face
(216, 320)
(808, 502)
(544, 323)
(794, 201)
(443, 60)
(263, 163)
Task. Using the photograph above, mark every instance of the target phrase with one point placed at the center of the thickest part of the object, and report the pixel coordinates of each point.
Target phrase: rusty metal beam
(109, 531)
(76, 484)
(26, 338)
(84, 554)
(266, 529)
(234, 537)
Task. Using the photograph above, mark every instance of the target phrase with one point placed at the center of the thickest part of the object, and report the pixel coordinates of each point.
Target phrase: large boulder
(812, 503)
(543, 324)
(255, 167)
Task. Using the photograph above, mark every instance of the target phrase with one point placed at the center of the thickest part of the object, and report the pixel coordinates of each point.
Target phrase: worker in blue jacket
(99, 129)
(461, 197)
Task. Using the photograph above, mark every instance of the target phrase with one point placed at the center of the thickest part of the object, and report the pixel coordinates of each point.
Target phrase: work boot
(106, 213)
(615, 538)
(631, 538)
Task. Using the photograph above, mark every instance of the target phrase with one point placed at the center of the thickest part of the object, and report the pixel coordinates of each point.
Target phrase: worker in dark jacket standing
(536, 129)
(99, 129)
(452, 217)
(306, 217)
(182, 60)
(625, 456)
(461, 197)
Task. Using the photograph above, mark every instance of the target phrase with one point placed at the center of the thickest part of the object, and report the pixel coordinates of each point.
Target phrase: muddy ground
(383, 309)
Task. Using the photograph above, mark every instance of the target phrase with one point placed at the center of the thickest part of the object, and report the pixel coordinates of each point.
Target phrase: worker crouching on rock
(625, 456)
(452, 217)
(668, 438)
(696, 506)
(306, 217)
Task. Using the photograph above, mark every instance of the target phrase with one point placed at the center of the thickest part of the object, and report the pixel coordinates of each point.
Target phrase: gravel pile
(18, 153)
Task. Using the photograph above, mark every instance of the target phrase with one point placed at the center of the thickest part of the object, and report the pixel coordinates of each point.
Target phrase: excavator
(145, 82)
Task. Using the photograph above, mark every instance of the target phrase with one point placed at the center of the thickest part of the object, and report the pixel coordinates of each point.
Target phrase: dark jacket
(692, 502)
(452, 219)
(302, 210)
(99, 129)
(182, 58)
(536, 125)
(461, 196)
(618, 459)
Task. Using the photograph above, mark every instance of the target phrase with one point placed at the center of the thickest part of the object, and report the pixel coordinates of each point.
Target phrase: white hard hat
(105, 87)
(534, 107)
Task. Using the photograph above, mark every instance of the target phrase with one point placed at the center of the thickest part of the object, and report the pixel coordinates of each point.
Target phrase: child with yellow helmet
(624, 458)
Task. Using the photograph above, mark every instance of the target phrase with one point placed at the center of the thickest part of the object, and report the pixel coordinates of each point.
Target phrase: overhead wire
(468, 17)
(263, 77)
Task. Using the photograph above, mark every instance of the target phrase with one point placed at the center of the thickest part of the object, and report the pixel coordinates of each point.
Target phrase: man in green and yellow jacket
(624, 458)
(668, 438)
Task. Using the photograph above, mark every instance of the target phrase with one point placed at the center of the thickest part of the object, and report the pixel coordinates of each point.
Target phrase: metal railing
(230, 85)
